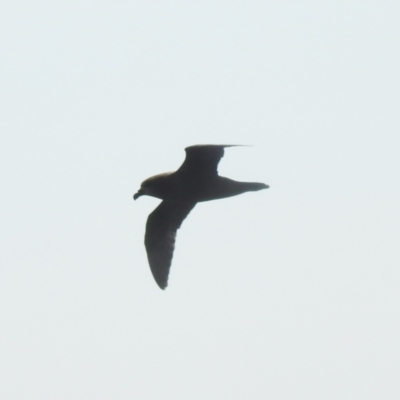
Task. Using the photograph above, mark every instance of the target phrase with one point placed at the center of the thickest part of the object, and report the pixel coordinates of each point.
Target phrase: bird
(195, 181)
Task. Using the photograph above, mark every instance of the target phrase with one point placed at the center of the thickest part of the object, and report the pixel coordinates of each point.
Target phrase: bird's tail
(254, 186)
(228, 187)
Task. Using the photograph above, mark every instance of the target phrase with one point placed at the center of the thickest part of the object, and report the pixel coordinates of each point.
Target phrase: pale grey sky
(290, 293)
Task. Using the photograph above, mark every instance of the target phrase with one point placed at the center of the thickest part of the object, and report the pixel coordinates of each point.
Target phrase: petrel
(195, 181)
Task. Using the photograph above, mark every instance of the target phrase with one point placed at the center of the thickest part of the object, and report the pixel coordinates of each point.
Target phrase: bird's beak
(138, 194)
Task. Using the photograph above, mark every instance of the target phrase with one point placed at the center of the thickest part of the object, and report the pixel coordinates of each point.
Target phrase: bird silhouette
(195, 181)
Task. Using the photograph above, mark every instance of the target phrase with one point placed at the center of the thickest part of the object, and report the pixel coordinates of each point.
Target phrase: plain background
(289, 293)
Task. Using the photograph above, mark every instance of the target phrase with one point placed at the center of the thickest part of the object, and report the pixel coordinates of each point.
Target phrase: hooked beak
(138, 194)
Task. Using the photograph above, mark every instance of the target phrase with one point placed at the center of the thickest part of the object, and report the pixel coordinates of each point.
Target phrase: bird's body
(195, 181)
(176, 186)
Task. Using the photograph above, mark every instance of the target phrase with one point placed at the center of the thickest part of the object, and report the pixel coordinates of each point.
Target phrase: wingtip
(162, 286)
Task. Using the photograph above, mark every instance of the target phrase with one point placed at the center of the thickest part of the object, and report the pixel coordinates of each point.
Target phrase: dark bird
(196, 180)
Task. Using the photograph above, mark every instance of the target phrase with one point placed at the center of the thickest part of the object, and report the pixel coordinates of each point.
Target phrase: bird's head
(153, 186)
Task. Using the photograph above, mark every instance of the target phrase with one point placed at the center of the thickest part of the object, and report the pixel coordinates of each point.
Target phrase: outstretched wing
(203, 159)
(161, 228)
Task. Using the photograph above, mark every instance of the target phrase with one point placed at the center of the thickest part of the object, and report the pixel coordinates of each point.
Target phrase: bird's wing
(203, 158)
(161, 228)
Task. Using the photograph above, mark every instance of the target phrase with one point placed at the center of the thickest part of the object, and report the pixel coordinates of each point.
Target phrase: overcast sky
(289, 293)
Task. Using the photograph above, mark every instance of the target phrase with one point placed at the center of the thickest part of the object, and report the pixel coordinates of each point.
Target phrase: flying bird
(195, 181)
